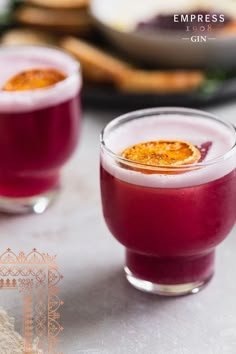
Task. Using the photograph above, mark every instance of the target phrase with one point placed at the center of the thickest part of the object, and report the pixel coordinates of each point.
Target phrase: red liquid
(169, 234)
(35, 145)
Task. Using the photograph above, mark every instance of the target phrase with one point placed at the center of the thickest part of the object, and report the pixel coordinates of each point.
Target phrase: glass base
(36, 204)
(165, 289)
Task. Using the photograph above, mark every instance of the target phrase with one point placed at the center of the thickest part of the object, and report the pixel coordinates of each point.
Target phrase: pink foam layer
(16, 59)
(193, 129)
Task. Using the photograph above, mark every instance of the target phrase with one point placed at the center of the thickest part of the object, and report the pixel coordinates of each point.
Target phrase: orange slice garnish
(161, 153)
(34, 79)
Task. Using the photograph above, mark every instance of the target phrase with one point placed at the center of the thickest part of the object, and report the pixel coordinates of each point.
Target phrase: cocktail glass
(171, 219)
(39, 129)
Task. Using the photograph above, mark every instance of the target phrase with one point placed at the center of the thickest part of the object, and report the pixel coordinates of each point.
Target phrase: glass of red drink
(170, 218)
(39, 128)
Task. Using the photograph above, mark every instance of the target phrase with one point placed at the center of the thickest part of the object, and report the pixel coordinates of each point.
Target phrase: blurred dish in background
(112, 12)
(118, 21)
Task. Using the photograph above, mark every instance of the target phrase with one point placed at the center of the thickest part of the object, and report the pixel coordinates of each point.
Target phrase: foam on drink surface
(195, 130)
(14, 60)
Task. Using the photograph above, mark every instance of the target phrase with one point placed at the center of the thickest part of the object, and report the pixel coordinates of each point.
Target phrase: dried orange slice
(34, 79)
(162, 153)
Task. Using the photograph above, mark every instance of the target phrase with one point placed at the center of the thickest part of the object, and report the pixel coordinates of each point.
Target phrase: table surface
(102, 313)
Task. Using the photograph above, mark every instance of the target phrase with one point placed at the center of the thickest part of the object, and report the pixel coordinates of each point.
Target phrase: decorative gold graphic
(36, 276)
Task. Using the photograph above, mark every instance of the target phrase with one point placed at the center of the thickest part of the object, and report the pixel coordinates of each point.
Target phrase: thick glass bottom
(22, 205)
(166, 289)
(179, 275)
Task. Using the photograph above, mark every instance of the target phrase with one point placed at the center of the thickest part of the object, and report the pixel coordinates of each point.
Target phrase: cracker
(54, 19)
(27, 37)
(162, 82)
(97, 65)
(64, 4)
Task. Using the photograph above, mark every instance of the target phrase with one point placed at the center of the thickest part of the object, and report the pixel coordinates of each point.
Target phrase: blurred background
(135, 54)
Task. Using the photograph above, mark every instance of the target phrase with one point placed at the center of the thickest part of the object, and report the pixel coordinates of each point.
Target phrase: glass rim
(76, 71)
(148, 112)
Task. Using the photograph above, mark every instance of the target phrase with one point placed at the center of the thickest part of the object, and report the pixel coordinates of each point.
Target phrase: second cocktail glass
(169, 218)
(39, 128)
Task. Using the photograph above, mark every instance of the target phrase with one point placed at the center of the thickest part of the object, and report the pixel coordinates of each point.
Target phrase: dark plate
(109, 98)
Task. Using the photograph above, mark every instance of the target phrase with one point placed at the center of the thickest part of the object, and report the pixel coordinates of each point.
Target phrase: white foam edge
(187, 179)
(25, 101)
(205, 173)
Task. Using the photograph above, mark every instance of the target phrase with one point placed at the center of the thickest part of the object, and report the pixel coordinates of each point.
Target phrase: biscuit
(68, 20)
(97, 65)
(65, 4)
(27, 37)
(162, 82)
